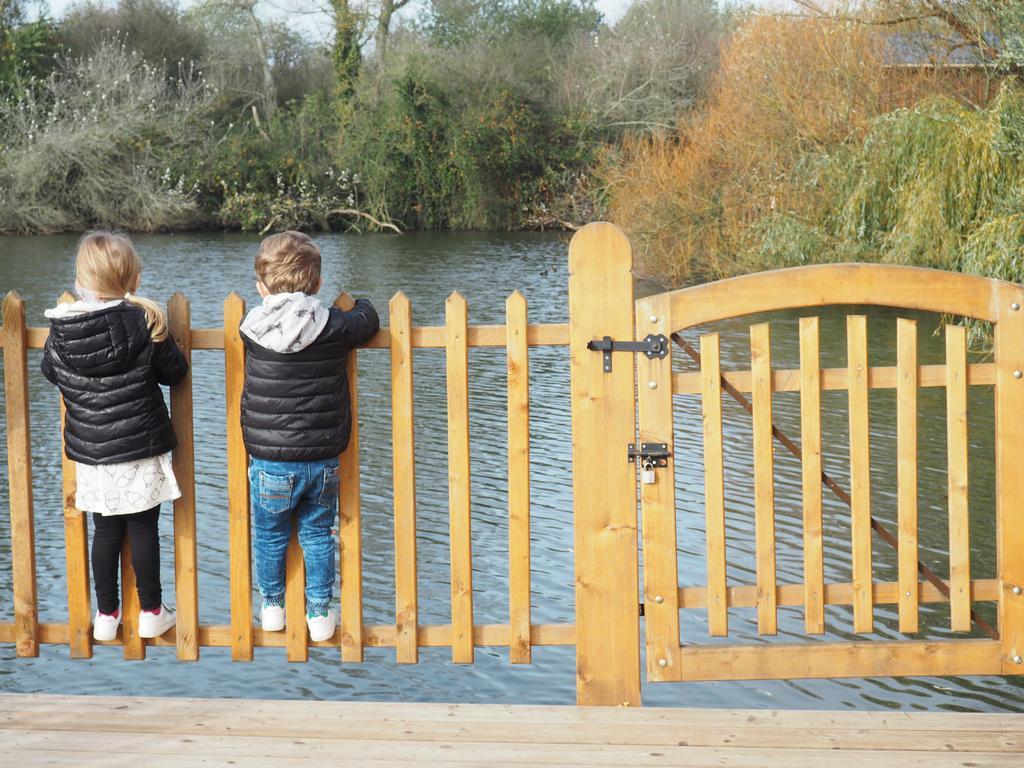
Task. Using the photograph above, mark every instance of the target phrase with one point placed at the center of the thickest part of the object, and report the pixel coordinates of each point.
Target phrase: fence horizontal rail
(423, 337)
(881, 377)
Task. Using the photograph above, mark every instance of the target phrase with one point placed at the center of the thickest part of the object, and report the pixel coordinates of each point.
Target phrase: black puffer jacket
(295, 405)
(109, 371)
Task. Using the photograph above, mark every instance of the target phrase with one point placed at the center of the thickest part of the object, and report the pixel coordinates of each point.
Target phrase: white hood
(80, 307)
(286, 322)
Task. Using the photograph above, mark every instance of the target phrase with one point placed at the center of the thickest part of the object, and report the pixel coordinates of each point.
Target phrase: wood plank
(841, 659)
(714, 485)
(885, 285)
(658, 499)
(764, 479)
(133, 646)
(1008, 348)
(19, 477)
(886, 593)
(604, 484)
(860, 472)
(810, 466)
(295, 598)
(906, 471)
(239, 536)
(350, 540)
(186, 587)
(459, 512)
(518, 363)
(956, 442)
(879, 377)
(76, 543)
(404, 472)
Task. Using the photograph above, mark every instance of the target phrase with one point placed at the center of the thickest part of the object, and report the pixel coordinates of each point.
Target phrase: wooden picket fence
(605, 401)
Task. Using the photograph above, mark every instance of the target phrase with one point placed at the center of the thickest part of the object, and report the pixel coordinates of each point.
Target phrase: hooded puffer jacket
(295, 402)
(109, 372)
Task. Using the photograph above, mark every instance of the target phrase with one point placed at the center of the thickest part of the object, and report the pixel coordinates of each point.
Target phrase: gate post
(604, 482)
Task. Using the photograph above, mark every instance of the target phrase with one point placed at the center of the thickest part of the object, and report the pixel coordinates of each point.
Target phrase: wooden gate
(660, 389)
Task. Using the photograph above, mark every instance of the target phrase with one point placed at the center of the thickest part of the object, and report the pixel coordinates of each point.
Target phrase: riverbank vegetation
(721, 139)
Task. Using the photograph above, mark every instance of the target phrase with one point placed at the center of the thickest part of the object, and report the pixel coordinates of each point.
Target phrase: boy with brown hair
(296, 420)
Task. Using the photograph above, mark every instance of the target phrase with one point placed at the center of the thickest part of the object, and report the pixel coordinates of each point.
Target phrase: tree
(385, 13)
(27, 48)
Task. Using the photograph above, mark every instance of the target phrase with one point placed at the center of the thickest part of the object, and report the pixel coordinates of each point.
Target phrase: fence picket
(186, 587)
(239, 540)
(810, 438)
(350, 523)
(19, 468)
(520, 649)
(714, 485)
(906, 471)
(404, 470)
(860, 472)
(459, 512)
(764, 479)
(956, 441)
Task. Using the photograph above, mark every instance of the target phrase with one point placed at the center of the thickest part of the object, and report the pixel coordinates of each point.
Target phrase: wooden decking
(147, 732)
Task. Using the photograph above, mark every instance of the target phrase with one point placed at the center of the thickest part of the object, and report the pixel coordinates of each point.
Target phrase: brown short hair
(289, 262)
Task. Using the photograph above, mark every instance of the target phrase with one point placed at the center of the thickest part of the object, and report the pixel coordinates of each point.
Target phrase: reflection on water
(485, 268)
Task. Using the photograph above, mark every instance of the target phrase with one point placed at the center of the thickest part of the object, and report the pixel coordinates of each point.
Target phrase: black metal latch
(652, 346)
(653, 454)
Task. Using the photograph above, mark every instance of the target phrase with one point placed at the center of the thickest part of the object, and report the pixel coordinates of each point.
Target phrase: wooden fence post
(1009, 359)
(604, 482)
(19, 467)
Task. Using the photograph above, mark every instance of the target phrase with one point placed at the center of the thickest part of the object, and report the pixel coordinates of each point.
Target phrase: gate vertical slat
(239, 540)
(1009, 360)
(906, 472)
(714, 485)
(764, 479)
(404, 471)
(860, 472)
(133, 647)
(186, 587)
(956, 443)
(350, 541)
(520, 643)
(76, 543)
(810, 438)
(19, 467)
(604, 483)
(296, 637)
(459, 512)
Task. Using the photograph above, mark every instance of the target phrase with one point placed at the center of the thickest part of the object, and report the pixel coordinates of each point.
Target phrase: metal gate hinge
(653, 345)
(656, 454)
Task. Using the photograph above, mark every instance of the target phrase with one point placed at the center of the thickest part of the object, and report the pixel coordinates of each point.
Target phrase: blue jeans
(309, 490)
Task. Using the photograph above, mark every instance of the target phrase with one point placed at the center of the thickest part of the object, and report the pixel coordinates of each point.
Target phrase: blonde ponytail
(108, 266)
(154, 315)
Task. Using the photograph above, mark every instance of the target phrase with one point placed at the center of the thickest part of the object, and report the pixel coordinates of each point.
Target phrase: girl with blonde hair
(108, 353)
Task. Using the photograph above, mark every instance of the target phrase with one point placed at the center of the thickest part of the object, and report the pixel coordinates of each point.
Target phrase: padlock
(647, 476)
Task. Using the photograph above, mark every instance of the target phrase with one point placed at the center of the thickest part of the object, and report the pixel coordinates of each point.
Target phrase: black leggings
(141, 528)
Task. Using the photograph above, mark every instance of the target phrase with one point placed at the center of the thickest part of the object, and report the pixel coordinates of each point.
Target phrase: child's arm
(46, 366)
(168, 362)
(361, 322)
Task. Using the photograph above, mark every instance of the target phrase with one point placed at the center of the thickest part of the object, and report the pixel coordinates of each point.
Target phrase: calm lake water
(485, 268)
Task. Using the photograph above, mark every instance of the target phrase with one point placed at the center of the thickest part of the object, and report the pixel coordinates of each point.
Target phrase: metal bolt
(1017, 590)
(653, 318)
(660, 599)
(1017, 374)
(908, 594)
(664, 662)
(1016, 660)
(1015, 306)
(652, 384)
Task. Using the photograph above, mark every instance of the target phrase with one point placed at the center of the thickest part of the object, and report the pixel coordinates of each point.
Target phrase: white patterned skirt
(127, 487)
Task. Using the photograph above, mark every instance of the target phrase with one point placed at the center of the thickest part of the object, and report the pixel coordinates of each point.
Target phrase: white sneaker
(322, 626)
(104, 626)
(155, 624)
(272, 617)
